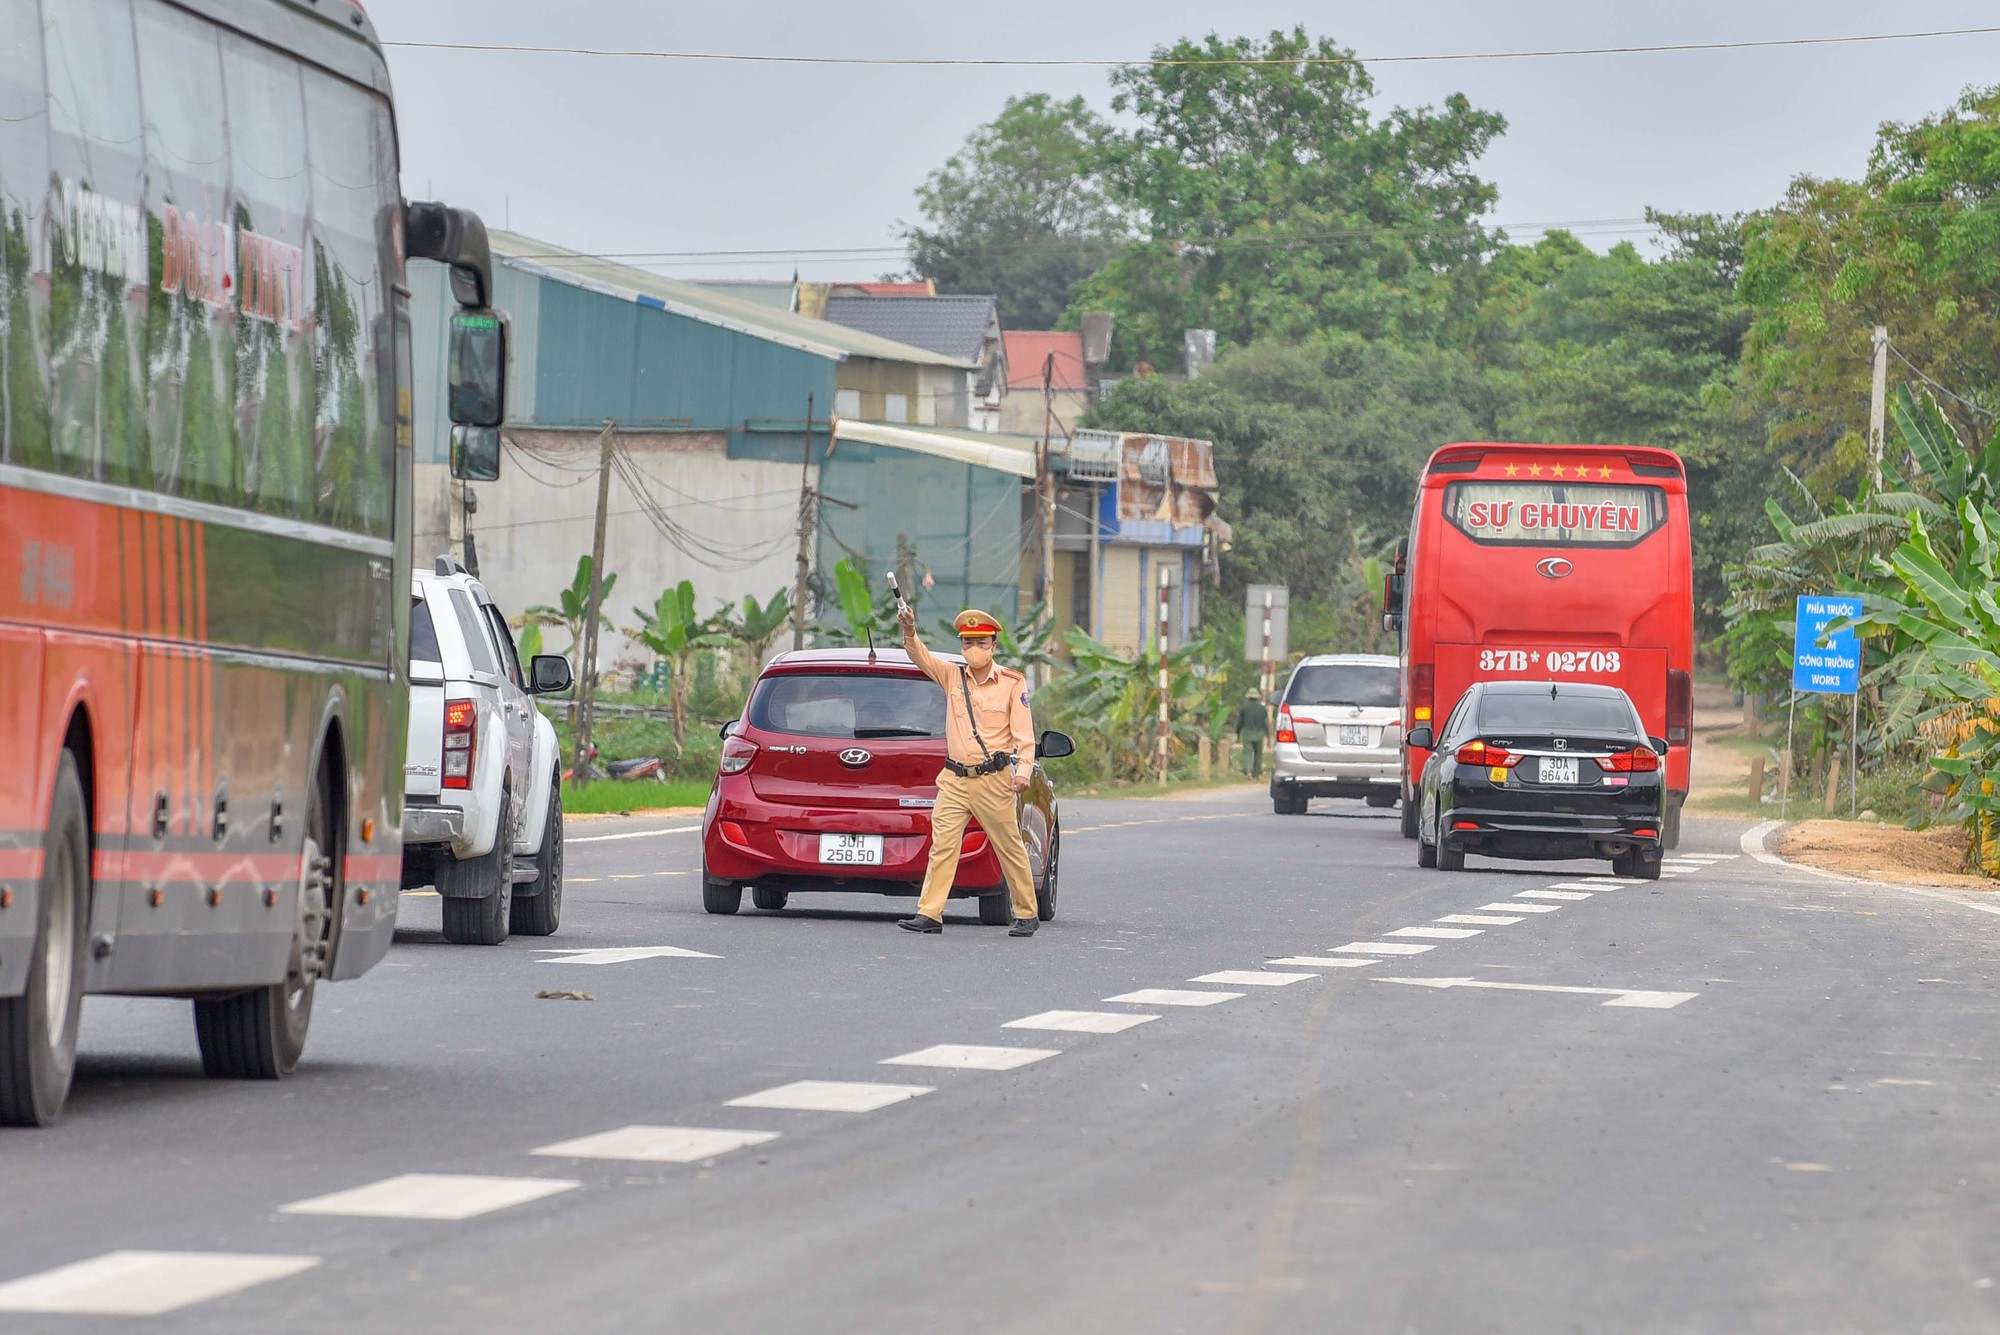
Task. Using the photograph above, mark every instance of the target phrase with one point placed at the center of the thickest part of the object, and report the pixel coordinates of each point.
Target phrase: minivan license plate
(1352, 735)
(862, 850)
(1557, 769)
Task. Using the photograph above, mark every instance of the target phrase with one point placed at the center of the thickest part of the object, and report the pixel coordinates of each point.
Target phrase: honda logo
(854, 757)
(1561, 744)
(1553, 567)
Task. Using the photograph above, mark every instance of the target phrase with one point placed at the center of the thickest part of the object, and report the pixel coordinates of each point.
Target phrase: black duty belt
(993, 764)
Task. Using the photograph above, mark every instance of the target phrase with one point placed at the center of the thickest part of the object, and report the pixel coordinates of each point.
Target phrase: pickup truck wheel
(537, 908)
(479, 892)
(38, 1028)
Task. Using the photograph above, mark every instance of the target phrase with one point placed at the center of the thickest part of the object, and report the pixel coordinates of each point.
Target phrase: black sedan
(1542, 769)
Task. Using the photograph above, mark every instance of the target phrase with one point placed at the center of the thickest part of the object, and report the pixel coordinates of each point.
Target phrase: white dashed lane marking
(1252, 978)
(1441, 933)
(635, 834)
(971, 1057)
(830, 1096)
(1553, 894)
(144, 1283)
(657, 1144)
(619, 954)
(1324, 962)
(1485, 919)
(1381, 948)
(1079, 1022)
(432, 1196)
(1521, 908)
(1596, 887)
(1174, 996)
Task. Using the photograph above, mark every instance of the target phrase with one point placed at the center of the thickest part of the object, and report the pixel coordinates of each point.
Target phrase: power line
(1959, 399)
(1192, 62)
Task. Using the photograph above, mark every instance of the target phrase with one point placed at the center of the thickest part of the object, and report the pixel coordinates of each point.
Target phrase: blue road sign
(1827, 664)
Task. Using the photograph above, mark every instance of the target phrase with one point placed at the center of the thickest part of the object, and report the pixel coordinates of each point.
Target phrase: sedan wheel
(1045, 895)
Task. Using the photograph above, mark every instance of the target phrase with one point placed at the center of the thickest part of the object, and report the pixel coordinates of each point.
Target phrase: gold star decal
(1604, 471)
(1513, 470)
(1557, 470)
(1534, 470)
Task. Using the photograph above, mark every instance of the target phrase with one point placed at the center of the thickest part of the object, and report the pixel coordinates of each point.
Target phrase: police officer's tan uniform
(999, 724)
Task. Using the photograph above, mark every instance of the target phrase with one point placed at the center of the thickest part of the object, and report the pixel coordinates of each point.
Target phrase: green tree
(1018, 211)
(1271, 202)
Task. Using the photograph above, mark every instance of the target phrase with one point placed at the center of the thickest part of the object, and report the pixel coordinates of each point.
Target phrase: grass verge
(609, 795)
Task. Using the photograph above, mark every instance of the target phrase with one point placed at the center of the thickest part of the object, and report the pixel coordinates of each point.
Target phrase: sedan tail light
(736, 755)
(1639, 760)
(1285, 730)
(1479, 753)
(461, 735)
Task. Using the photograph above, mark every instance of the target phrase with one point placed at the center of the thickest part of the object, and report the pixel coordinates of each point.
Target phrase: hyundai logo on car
(1553, 567)
(854, 757)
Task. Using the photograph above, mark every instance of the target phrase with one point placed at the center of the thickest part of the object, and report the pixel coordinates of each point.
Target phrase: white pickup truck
(482, 788)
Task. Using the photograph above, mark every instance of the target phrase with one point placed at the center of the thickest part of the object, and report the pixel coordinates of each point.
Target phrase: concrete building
(965, 329)
(1027, 353)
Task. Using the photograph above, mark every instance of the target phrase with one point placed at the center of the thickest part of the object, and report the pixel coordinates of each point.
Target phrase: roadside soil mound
(1937, 857)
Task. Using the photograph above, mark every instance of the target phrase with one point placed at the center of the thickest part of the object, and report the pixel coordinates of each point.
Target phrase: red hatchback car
(827, 783)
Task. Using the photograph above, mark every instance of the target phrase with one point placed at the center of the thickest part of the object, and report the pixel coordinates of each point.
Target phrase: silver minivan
(1339, 733)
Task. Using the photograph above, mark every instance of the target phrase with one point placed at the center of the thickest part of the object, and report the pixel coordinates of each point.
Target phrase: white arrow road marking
(1620, 996)
(634, 834)
(620, 954)
(144, 1283)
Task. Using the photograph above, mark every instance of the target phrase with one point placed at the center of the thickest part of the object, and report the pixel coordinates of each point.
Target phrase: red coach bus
(1549, 562)
(205, 511)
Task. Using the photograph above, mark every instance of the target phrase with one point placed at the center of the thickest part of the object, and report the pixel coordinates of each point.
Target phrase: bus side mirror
(1420, 738)
(475, 453)
(1055, 745)
(547, 674)
(476, 368)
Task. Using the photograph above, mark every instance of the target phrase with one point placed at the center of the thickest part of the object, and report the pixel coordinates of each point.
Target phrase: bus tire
(1670, 829)
(479, 892)
(537, 907)
(38, 1028)
(1409, 819)
(260, 1034)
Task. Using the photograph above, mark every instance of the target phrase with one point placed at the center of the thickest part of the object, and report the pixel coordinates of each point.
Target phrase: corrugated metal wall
(962, 524)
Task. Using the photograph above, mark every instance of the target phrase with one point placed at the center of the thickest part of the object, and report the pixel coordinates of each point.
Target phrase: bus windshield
(1554, 514)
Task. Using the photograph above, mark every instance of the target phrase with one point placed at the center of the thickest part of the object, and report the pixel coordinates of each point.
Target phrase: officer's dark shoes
(1024, 926)
(920, 923)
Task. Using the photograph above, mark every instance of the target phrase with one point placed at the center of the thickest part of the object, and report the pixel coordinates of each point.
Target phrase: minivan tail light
(1680, 706)
(1479, 753)
(1285, 730)
(1423, 690)
(736, 755)
(461, 738)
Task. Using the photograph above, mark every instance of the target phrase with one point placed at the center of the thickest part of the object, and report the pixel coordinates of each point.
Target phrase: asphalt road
(1779, 1115)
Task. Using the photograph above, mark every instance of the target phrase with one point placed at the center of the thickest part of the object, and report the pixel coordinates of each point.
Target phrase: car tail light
(736, 755)
(1639, 760)
(1479, 753)
(461, 734)
(1680, 706)
(732, 833)
(1285, 731)
(1423, 690)
(1465, 825)
(1647, 834)
(973, 843)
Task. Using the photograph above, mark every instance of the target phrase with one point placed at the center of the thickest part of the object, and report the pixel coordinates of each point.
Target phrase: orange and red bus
(1549, 562)
(205, 478)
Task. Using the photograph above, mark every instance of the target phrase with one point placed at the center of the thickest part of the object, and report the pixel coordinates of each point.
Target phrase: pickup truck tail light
(461, 740)
(1286, 733)
(1639, 760)
(736, 755)
(1479, 753)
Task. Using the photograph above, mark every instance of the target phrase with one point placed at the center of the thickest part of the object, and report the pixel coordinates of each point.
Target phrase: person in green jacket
(1250, 730)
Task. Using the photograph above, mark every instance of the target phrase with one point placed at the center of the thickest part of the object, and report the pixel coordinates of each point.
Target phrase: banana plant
(1112, 701)
(574, 605)
(673, 631)
(757, 627)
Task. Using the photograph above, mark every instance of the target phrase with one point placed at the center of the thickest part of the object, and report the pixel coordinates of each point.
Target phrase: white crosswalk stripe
(1381, 948)
(657, 1144)
(1442, 933)
(1175, 996)
(972, 1057)
(1079, 1022)
(1522, 908)
(855, 1096)
(1325, 962)
(1484, 919)
(1252, 978)
(138, 1283)
(432, 1196)
(1554, 894)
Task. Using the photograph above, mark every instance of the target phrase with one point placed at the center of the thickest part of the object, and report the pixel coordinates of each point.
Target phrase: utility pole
(1045, 501)
(805, 533)
(1878, 394)
(587, 691)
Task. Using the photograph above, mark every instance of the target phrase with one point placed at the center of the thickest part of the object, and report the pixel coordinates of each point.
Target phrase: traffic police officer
(990, 738)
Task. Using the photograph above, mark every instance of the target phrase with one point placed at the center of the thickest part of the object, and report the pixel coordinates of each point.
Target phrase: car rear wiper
(892, 732)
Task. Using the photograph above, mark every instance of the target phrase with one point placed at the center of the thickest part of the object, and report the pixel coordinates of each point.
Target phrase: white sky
(652, 156)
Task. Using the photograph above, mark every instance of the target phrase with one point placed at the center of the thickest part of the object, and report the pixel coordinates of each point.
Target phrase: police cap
(974, 622)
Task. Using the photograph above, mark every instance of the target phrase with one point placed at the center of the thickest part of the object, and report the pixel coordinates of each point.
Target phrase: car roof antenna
(869, 631)
(1552, 690)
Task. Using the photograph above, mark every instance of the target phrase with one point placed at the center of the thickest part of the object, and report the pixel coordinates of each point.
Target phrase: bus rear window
(1554, 514)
